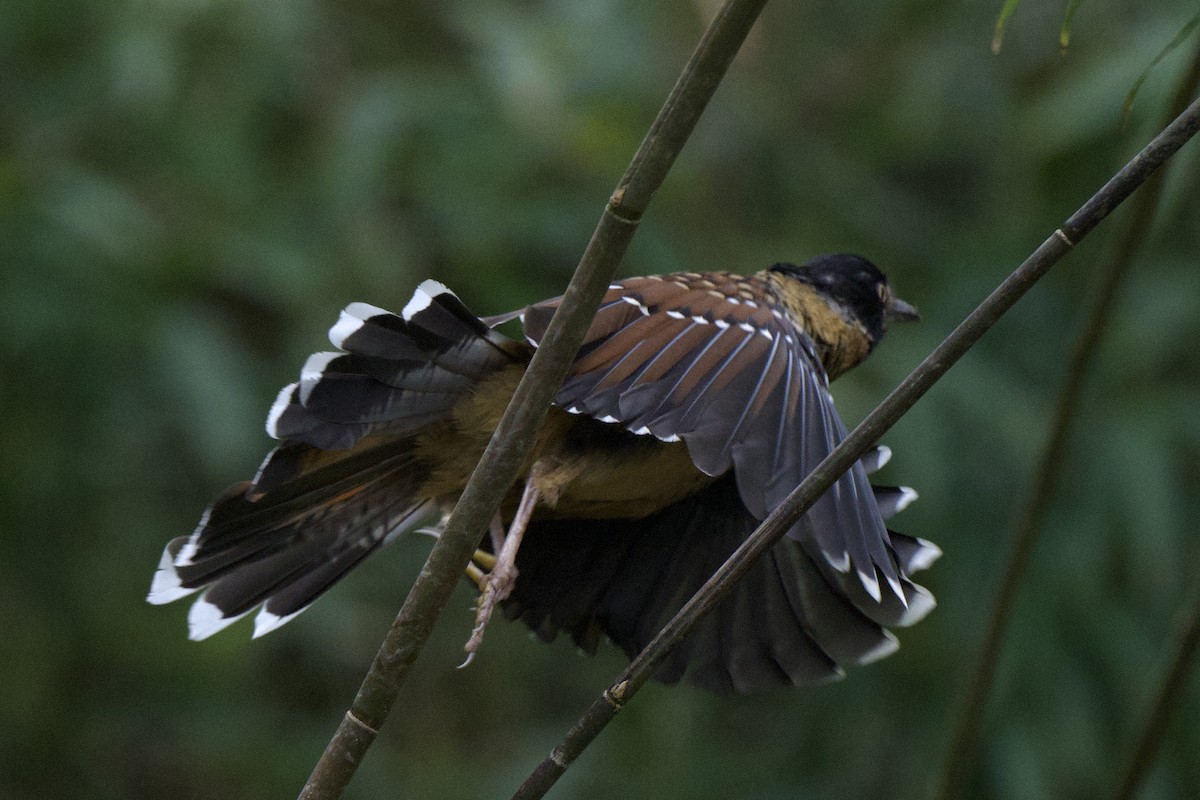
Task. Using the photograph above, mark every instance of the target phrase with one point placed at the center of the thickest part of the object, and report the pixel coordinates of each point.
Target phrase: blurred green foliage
(190, 190)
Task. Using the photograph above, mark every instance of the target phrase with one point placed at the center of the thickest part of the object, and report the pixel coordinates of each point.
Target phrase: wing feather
(712, 361)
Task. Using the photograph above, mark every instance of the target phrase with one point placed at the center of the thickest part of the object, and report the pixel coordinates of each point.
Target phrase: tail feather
(399, 373)
(288, 419)
(282, 546)
(346, 479)
(336, 388)
(414, 376)
(256, 580)
(246, 516)
(293, 598)
(435, 326)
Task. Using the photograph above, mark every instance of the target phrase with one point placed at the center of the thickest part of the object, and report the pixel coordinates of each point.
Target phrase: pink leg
(497, 532)
(499, 583)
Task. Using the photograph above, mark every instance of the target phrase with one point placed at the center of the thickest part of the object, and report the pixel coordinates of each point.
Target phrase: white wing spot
(885, 455)
(633, 301)
(925, 557)
(676, 315)
(839, 562)
(907, 496)
(871, 584)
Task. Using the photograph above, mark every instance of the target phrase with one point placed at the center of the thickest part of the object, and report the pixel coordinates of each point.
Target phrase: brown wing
(709, 360)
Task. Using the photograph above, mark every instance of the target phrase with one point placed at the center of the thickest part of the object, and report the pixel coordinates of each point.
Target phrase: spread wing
(712, 361)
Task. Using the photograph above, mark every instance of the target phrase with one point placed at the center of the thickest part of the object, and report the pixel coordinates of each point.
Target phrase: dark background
(190, 191)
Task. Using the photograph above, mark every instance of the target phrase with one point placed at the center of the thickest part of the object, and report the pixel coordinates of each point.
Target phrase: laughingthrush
(696, 403)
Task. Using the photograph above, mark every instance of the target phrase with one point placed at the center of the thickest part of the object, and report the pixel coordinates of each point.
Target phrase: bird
(696, 403)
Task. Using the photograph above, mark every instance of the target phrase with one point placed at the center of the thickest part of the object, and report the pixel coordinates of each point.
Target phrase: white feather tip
(265, 621)
(166, 587)
(282, 401)
(205, 619)
(422, 298)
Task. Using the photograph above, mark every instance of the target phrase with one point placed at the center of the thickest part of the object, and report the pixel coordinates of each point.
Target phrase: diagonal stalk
(960, 756)
(1166, 700)
(894, 406)
(514, 436)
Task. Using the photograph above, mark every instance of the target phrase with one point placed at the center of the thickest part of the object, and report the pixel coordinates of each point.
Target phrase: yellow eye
(882, 289)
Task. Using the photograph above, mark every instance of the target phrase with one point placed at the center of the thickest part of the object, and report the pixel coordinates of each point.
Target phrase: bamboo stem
(960, 755)
(894, 406)
(510, 444)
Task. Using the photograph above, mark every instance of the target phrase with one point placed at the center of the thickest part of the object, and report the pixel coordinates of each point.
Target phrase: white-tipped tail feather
(422, 297)
(282, 401)
(205, 619)
(167, 586)
(351, 320)
(265, 621)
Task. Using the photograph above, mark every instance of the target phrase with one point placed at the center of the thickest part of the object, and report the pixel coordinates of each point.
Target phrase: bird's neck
(841, 343)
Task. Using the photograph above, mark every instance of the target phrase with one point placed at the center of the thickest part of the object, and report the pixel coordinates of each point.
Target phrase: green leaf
(1064, 34)
(998, 37)
(1178, 39)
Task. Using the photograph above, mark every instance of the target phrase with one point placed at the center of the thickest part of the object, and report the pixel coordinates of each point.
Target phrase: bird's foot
(481, 564)
(497, 584)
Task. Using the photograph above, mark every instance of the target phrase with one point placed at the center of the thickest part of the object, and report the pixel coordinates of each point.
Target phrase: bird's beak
(901, 311)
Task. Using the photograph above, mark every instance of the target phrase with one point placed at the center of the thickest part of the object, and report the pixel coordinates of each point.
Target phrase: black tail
(789, 621)
(346, 480)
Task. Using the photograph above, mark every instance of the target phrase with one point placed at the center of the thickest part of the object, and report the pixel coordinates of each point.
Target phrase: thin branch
(514, 436)
(1166, 700)
(603, 709)
(960, 756)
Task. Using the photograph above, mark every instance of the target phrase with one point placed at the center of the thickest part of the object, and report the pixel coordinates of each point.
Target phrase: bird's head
(855, 288)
